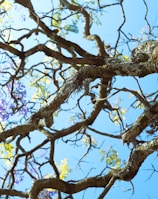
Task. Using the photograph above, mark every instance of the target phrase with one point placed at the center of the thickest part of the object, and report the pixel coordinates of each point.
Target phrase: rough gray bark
(88, 67)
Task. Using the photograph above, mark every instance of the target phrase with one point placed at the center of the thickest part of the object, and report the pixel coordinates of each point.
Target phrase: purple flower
(18, 90)
(4, 115)
(47, 194)
(12, 95)
(24, 110)
(18, 177)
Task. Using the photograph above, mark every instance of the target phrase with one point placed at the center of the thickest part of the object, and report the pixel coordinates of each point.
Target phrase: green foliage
(6, 152)
(41, 88)
(121, 57)
(89, 140)
(71, 28)
(6, 5)
(6, 149)
(138, 103)
(67, 25)
(4, 8)
(64, 169)
(56, 20)
(69, 21)
(111, 158)
(46, 61)
(125, 58)
(117, 116)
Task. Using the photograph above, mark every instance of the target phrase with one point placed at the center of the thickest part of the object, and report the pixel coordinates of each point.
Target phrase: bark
(127, 173)
(88, 67)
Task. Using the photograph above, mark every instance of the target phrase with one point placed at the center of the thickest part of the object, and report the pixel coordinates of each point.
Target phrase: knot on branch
(40, 120)
(146, 51)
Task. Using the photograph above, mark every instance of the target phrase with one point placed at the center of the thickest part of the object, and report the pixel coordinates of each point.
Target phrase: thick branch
(63, 94)
(61, 42)
(114, 67)
(137, 158)
(148, 117)
(66, 187)
(126, 174)
(93, 60)
(18, 130)
(15, 193)
(105, 71)
(87, 26)
(12, 50)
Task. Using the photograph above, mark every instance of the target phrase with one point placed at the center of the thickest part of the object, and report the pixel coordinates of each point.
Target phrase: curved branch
(26, 3)
(104, 134)
(122, 24)
(105, 72)
(53, 35)
(126, 174)
(114, 67)
(67, 187)
(12, 192)
(12, 50)
(18, 130)
(147, 117)
(87, 26)
(94, 60)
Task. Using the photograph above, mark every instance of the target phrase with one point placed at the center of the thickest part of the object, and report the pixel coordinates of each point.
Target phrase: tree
(61, 92)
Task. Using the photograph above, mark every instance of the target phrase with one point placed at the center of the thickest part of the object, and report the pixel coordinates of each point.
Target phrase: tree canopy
(79, 98)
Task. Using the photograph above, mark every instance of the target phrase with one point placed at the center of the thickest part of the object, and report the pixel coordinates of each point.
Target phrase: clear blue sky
(143, 188)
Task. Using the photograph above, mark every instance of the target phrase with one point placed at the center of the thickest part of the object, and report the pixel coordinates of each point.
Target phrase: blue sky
(111, 20)
(143, 187)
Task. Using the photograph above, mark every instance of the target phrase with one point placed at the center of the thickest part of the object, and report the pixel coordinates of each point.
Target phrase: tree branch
(147, 117)
(127, 173)
(15, 193)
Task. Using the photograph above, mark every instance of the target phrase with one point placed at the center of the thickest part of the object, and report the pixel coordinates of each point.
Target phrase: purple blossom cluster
(12, 94)
(44, 194)
(13, 97)
(3, 113)
(18, 177)
(47, 194)
(12, 100)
